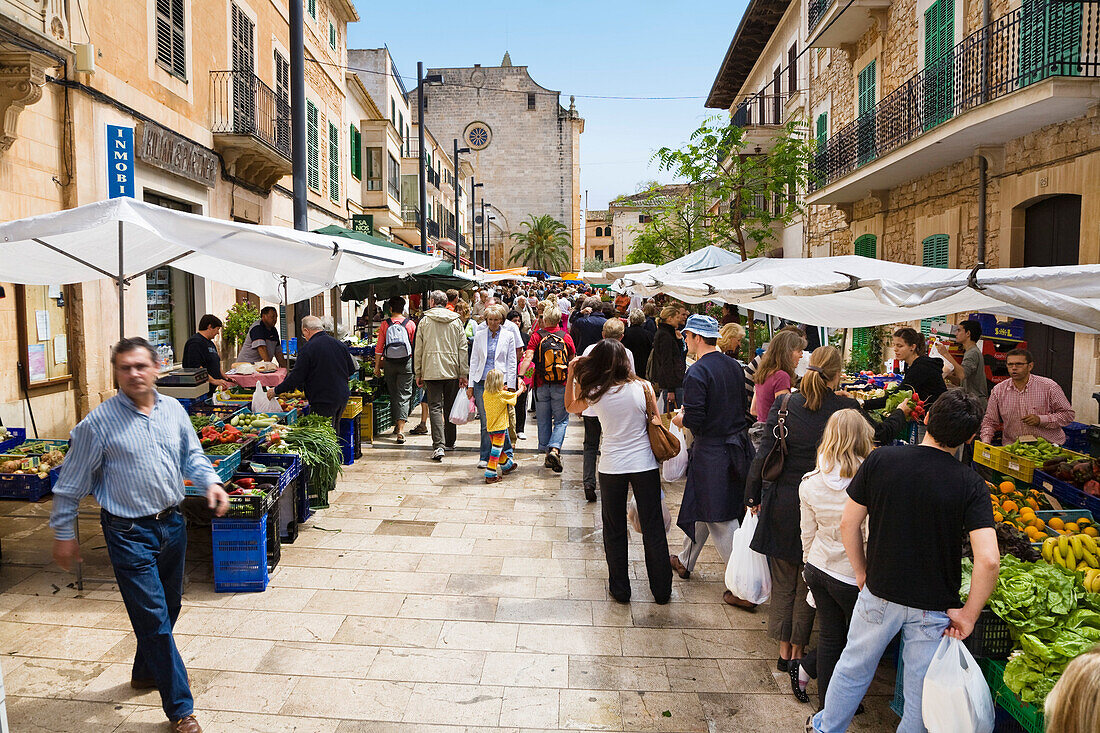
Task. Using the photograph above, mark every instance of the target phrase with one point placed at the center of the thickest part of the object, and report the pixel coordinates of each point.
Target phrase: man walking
(720, 453)
(441, 364)
(132, 453)
(395, 347)
(323, 369)
(1026, 404)
(912, 496)
(587, 326)
(550, 349)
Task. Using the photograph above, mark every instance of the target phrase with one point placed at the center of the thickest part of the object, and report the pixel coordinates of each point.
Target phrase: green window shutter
(866, 246)
(313, 148)
(939, 42)
(1050, 40)
(935, 254)
(859, 338)
(867, 89)
(311, 7)
(822, 129)
(865, 144)
(355, 148)
(332, 36)
(333, 162)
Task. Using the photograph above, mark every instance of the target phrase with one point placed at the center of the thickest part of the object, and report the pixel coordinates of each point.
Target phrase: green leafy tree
(678, 224)
(543, 245)
(236, 323)
(591, 264)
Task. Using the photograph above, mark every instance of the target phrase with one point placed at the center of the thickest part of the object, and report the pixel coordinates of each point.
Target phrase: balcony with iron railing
(433, 228)
(840, 23)
(1035, 66)
(760, 116)
(410, 216)
(251, 127)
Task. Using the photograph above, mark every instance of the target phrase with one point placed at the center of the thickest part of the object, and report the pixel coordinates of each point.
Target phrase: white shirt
(622, 415)
(629, 355)
(563, 305)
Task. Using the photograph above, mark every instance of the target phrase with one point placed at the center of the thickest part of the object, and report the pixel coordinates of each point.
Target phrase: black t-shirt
(200, 351)
(920, 502)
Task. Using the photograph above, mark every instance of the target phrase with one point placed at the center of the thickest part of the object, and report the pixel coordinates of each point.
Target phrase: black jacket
(778, 534)
(667, 357)
(639, 341)
(586, 330)
(323, 368)
(924, 376)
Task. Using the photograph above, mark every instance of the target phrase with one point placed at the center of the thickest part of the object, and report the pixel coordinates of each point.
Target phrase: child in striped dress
(496, 400)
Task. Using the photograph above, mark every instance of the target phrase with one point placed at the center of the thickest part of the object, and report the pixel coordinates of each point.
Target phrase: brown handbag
(772, 467)
(665, 445)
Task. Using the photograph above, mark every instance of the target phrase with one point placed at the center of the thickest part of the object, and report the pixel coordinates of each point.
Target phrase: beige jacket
(441, 351)
(822, 497)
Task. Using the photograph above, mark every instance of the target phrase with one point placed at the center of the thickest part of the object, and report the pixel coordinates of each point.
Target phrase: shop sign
(170, 152)
(120, 161)
(363, 223)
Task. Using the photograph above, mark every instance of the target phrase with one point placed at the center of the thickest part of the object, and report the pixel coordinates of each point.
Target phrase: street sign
(120, 161)
(363, 223)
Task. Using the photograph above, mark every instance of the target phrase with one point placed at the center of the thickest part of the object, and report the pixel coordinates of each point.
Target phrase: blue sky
(640, 49)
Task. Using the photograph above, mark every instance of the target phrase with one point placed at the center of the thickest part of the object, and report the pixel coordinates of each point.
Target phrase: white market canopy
(852, 291)
(493, 277)
(707, 259)
(611, 274)
(124, 238)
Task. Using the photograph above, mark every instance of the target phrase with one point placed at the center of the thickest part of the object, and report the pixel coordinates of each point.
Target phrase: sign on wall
(170, 152)
(363, 223)
(120, 161)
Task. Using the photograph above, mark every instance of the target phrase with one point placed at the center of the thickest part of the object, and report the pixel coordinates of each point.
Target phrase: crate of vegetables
(1030, 717)
(40, 447)
(1022, 458)
(224, 457)
(11, 437)
(279, 469)
(249, 498)
(216, 412)
(1074, 483)
(255, 423)
(26, 477)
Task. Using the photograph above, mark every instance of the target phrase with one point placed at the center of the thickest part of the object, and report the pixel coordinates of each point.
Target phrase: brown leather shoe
(142, 684)
(492, 479)
(733, 600)
(186, 724)
(678, 567)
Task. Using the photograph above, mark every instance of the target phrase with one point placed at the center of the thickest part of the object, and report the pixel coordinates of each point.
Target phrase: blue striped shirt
(134, 464)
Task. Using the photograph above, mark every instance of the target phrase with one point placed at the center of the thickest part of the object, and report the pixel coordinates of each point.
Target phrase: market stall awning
(611, 274)
(707, 259)
(122, 239)
(852, 291)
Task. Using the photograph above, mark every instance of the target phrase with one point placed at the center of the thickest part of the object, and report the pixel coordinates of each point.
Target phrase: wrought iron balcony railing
(1037, 41)
(815, 11)
(760, 109)
(433, 228)
(410, 215)
(242, 104)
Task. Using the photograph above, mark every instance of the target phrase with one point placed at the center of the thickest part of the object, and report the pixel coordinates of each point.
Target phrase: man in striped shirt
(132, 454)
(1026, 404)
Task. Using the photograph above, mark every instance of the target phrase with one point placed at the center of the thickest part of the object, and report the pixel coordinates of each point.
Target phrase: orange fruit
(1056, 523)
(1008, 487)
(1032, 503)
(998, 517)
(1031, 532)
(1072, 527)
(1010, 506)
(1091, 531)
(1084, 521)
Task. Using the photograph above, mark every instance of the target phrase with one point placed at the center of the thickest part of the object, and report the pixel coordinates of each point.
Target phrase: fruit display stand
(999, 459)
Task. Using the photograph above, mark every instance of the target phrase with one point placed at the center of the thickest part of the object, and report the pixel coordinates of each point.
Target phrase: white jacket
(505, 358)
(822, 497)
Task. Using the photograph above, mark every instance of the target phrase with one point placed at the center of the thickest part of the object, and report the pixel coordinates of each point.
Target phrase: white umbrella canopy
(127, 238)
(611, 274)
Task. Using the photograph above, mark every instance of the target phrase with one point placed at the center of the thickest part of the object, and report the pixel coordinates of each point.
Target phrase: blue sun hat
(704, 326)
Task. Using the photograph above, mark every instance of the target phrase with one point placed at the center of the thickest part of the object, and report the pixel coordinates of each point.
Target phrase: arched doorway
(1052, 236)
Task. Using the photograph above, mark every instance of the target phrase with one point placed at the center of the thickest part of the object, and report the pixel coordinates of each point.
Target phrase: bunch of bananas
(1076, 552)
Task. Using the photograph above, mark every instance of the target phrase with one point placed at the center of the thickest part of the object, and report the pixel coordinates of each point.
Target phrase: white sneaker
(437, 455)
(482, 464)
(521, 436)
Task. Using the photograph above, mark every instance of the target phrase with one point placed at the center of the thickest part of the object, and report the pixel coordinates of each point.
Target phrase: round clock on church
(478, 136)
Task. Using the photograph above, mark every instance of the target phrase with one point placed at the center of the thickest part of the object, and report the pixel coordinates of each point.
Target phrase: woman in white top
(604, 384)
(847, 440)
(494, 347)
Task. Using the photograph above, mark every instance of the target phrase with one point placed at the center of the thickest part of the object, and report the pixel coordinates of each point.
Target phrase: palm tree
(544, 245)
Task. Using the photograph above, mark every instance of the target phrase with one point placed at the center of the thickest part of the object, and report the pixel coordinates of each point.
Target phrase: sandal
(400, 437)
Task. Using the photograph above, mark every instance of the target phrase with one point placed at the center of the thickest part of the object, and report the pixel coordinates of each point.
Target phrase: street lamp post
(473, 221)
(484, 228)
(458, 234)
(421, 80)
(487, 220)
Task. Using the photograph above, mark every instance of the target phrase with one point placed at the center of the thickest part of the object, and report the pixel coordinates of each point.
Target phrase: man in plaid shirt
(1026, 404)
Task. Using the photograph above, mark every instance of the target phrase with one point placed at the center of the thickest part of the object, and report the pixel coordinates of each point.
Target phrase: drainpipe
(982, 182)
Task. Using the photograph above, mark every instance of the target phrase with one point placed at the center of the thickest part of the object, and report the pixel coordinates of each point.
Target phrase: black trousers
(592, 433)
(647, 493)
(521, 412)
(835, 602)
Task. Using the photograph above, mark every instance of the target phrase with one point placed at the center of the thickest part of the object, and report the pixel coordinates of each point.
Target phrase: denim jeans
(875, 622)
(486, 443)
(670, 400)
(551, 415)
(148, 556)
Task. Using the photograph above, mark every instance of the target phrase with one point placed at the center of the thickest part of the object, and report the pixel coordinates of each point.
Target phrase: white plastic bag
(262, 403)
(636, 522)
(674, 468)
(463, 409)
(747, 574)
(956, 697)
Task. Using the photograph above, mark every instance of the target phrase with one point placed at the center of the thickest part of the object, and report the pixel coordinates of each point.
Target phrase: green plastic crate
(1028, 716)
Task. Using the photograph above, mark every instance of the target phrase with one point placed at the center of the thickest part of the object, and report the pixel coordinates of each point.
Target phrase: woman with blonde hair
(847, 440)
(1073, 706)
(730, 337)
(777, 536)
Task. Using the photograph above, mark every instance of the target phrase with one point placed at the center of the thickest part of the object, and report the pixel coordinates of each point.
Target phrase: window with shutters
(394, 180)
(333, 161)
(332, 36)
(822, 130)
(313, 148)
(355, 153)
(530, 100)
(171, 38)
(311, 8)
(935, 253)
(866, 120)
(792, 68)
(1050, 40)
(282, 102)
(866, 246)
(939, 40)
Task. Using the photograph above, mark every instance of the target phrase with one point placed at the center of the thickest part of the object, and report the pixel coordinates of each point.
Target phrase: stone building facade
(524, 145)
(599, 244)
(212, 89)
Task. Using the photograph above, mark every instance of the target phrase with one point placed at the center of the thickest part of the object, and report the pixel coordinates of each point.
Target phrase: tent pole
(286, 342)
(121, 289)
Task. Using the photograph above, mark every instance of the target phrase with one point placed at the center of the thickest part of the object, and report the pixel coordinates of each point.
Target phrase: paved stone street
(422, 600)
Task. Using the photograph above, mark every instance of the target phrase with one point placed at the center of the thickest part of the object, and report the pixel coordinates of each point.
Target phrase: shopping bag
(463, 409)
(636, 523)
(674, 468)
(262, 403)
(956, 697)
(747, 574)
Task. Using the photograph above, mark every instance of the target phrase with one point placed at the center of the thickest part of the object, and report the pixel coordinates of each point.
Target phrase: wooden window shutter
(935, 254)
(171, 37)
(333, 161)
(866, 246)
(313, 152)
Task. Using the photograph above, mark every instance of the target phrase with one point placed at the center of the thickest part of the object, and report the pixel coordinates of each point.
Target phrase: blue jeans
(147, 556)
(875, 622)
(486, 443)
(551, 415)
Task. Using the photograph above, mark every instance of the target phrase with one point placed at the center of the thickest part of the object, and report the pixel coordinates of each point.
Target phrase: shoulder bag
(772, 467)
(665, 445)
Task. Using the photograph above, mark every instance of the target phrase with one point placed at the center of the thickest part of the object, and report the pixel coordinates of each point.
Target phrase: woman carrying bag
(604, 383)
(804, 416)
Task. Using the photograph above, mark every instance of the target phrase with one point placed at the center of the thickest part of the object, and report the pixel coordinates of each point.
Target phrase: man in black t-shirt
(918, 502)
(200, 351)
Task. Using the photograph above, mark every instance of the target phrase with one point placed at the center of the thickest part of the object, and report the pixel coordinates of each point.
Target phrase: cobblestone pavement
(421, 600)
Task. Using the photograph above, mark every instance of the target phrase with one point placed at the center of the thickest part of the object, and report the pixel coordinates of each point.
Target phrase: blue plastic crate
(349, 439)
(27, 486)
(188, 402)
(290, 461)
(227, 465)
(240, 554)
(1068, 494)
(18, 435)
(303, 511)
(1077, 437)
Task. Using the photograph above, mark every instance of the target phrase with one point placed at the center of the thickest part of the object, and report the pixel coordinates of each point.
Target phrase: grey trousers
(722, 532)
(399, 383)
(440, 394)
(790, 618)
